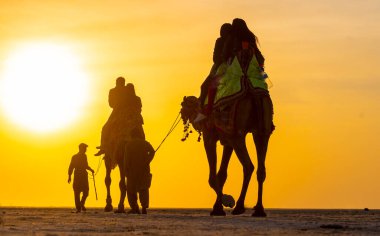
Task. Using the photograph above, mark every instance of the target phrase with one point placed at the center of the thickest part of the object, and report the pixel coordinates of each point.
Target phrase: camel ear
(184, 98)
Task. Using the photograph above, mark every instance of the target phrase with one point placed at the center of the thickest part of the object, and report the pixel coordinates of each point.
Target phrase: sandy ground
(61, 221)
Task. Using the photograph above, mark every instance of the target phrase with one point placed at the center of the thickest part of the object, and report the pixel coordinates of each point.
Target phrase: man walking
(80, 165)
(139, 154)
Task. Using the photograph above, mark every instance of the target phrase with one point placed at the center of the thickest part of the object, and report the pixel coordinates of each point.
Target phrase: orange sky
(322, 58)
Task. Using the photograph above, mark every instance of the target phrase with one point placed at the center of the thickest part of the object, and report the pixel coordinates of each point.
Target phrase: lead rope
(174, 125)
(99, 165)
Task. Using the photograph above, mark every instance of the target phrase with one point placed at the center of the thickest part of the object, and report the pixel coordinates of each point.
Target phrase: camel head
(190, 108)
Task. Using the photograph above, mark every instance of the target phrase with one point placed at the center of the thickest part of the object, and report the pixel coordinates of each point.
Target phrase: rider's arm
(218, 51)
(139, 104)
(111, 99)
(260, 58)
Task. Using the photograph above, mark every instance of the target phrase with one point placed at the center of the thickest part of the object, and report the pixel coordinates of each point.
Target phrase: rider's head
(130, 89)
(82, 147)
(120, 81)
(239, 24)
(242, 32)
(225, 29)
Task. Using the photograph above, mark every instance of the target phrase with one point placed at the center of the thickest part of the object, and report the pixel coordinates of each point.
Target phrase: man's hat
(83, 145)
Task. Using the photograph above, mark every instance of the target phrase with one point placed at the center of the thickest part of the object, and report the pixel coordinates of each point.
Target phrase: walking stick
(96, 194)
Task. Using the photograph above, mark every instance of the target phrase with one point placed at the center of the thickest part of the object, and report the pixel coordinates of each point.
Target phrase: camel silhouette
(253, 114)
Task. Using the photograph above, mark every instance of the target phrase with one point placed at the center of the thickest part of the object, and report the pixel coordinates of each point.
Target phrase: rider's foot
(101, 151)
(99, 147)
(199, 117)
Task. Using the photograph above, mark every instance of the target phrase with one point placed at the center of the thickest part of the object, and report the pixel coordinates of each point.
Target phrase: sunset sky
(321, 56)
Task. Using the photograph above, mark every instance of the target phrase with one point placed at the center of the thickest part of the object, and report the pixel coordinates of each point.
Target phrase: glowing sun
(43, 87)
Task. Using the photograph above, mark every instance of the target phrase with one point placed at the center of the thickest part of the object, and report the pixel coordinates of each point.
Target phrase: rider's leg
(105, 134)
(211, 93)
(132, 197)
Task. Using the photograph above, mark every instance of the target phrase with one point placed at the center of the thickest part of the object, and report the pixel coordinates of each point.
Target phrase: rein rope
(174, 125)
(99, 165)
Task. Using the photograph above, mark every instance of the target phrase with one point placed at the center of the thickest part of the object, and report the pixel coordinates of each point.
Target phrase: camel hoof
(228, 201)
(108, 208)
(219, 212)
(238, 210)
(259, 212)
(119, 211)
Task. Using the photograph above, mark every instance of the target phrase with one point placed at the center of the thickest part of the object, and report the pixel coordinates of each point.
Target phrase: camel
(115, 157)
(119, 152)
(253, 114)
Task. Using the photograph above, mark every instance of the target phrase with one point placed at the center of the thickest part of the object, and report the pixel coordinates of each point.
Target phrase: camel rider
(134, 106)
(243, 46)
(217, 58)
(240, 50)
(207, 88)
(116, 100)
(239, 37)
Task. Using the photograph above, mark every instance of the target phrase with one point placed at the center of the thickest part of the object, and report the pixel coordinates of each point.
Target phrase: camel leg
(261, 139)
(261, 143)
(222, 173)
(227, 200)
(107, 181)
(123, 190)
(243, 156)
(210, 147)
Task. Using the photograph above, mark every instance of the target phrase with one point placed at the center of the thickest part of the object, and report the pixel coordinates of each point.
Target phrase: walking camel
(118, 153)
(253, 114)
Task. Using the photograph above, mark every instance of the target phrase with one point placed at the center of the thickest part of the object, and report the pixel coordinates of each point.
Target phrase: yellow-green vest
(230, 82)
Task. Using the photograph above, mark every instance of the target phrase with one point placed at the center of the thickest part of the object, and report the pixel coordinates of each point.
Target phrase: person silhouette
(116, 100)
(208, 86)
(134, 107)
(241, 38)
(236, 38)
(139, 154)
(80, 166)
